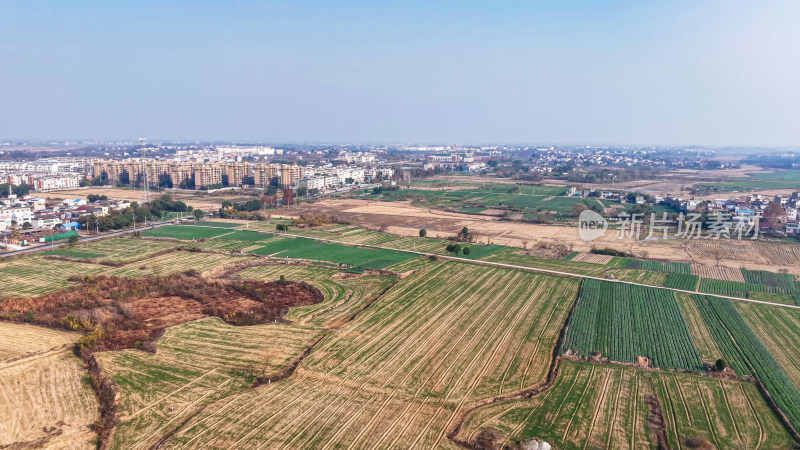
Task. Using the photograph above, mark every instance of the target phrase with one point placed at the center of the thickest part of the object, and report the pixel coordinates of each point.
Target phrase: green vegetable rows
(660, 266)
(624, 321)
(746, 354)
(681, 281)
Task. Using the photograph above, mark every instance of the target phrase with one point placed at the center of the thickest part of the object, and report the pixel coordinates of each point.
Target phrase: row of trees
(20, 190)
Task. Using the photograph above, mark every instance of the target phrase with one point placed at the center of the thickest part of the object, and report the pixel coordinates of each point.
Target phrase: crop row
(687, 282)
(660, 266)
(747, 355)
(622, 322)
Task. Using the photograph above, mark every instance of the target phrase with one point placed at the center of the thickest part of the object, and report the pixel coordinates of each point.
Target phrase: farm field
(639, 276)
(195, 364)
(622, 322)
(399, 381)
(746, 252)
(172, 263)
(512, 256)
(779, 330)
(303, 248)
(34, 275)
(114, 250)
(718, 272)
(686, 282)
(185, 232)
(344, 294)
(659, 266)
(592, 258)
(701, 335)
(604, 406)
(746, 353)
(46, 399)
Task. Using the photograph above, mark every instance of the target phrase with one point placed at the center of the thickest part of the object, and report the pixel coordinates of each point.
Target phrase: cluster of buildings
(464, 161)
(216, 174)
(195, 175)
(330, 177)
(47, 174)
(32, 215)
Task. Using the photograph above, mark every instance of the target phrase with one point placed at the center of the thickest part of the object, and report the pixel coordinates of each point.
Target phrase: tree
(453, 248)
(288, 196)
(282, 227)
(197, 213)
(773, 212)
(720, 365)
(578, 208)
(302, 192)
(423, 232)
(466, 251)
(73, 240)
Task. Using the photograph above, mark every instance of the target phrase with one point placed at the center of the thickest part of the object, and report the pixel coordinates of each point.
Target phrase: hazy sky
(639, 72)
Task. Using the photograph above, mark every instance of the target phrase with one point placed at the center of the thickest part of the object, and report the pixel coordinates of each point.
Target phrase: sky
(466, 72)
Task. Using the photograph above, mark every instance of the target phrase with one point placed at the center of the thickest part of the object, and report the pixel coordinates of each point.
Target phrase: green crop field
(621, 322)
(779, 331)
(660, 266)
(603, 406)
(302, 248)
(774, 283)
(728, 288)
(216, 224)
(746, 354)
(701, 334)
(639, 276)
(184, 232)
(400, 374)
(792, 176)
(115, 250)
(686, 282)
(36, 275)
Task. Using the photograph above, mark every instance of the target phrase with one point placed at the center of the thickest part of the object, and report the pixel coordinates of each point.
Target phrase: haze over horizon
(665, 73)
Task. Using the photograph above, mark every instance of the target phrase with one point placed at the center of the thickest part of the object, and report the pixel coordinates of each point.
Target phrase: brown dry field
(403, 219)
(45, 403)
(674, 182)
(206, 203)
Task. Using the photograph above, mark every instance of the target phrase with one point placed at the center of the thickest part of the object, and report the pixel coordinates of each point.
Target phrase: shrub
(720, 365)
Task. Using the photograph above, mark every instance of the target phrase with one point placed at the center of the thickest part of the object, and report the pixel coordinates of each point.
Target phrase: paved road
(95, 237)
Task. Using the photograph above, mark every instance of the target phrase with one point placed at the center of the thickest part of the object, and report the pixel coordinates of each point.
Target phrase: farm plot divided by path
(401, 373)
(779, 331)
(622, 322)
(46, 399)
(195, 363)
(746, 354)
(603, 406)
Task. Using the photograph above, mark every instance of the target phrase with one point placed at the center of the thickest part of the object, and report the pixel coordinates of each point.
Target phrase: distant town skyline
(581, 73)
